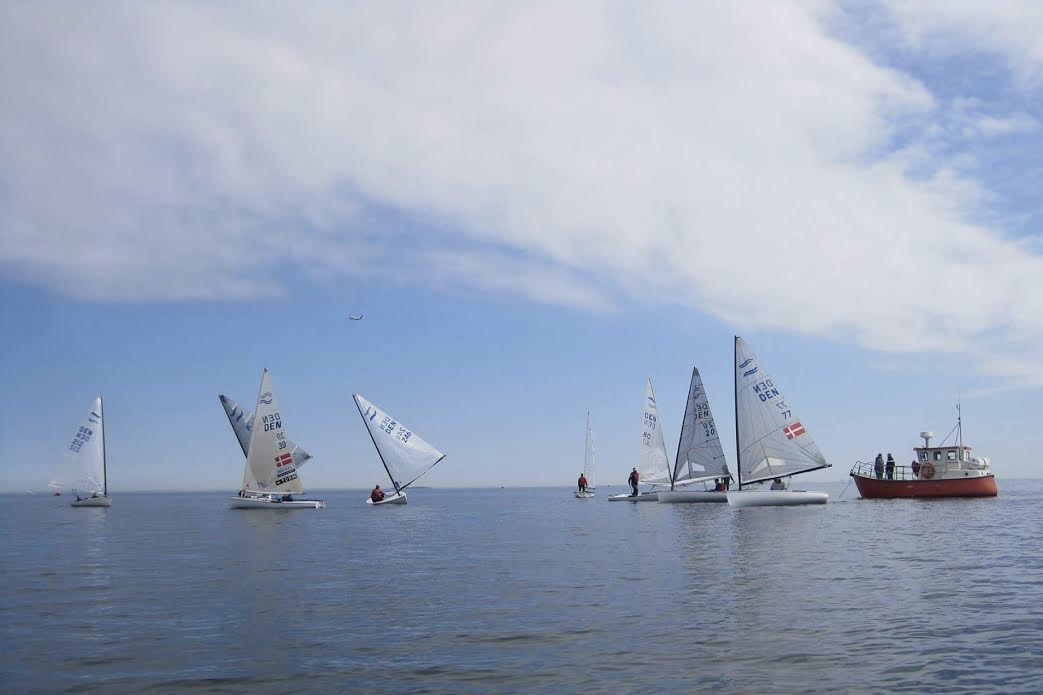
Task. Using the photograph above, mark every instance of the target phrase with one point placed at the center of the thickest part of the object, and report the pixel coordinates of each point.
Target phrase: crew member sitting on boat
(777, 484)
(377, 495)
(582, 482)
(719, 485)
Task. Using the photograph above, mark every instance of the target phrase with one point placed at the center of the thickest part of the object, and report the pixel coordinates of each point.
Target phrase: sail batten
(772, 441)
(404, 454)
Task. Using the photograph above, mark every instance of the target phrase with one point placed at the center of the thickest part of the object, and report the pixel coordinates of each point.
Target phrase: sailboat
(242, 422)
(588, 465)
(700, 456)
(405, 456)
(771, 442)
(86, 459)
(270, 478)
(654, 467)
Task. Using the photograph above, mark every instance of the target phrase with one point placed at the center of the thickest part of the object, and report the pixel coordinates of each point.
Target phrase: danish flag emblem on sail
(283, 460)
(794, 430)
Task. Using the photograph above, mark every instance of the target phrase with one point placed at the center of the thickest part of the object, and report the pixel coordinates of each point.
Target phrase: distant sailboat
(242, 422)
(405, 455)
(700, 456)
(654, 466)
(771, 441)
(270, 477)
(588, 465)
(86, 458)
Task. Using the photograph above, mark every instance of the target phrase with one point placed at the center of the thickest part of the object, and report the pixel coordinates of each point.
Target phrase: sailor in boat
(719, 485)
(890, 466)
(377, 495)
(777, 484)
(582, 482)
(878, 466)
(634, 479)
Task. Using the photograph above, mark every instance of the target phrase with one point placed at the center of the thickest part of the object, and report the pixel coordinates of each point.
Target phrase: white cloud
(725, 157)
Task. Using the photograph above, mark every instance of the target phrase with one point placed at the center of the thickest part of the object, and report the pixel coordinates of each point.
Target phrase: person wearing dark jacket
(377, 495)
(878, 466)
(634, 479)
(890, 467)
(582, 482)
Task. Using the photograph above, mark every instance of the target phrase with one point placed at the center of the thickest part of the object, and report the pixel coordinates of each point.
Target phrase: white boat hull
(92, 502)
(584, 495)
(775, 498)
(265, 503)
(642, 497)
(679, 496)
(397, 498)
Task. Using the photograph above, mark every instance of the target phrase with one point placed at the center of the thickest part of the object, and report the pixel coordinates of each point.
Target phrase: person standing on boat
(878, 466)
(634, 479)
(890, 467)
(377, 495)
(582, 482)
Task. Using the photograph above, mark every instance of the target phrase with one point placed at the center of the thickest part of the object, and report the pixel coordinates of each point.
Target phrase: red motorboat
(938, 471)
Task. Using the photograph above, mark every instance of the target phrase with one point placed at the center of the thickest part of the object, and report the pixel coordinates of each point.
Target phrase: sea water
(523, 591)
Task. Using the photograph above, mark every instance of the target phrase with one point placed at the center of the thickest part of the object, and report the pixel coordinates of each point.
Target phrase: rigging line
(845, 488)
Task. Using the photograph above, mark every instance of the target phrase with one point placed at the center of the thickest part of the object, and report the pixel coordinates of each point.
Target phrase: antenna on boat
(959, 424)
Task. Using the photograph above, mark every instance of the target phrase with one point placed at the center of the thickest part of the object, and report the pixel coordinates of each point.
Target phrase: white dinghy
(85, 460)
(270, 479)
(405, 456)
(700, 456)
(588, 466)
(654, 467)
(770, 440)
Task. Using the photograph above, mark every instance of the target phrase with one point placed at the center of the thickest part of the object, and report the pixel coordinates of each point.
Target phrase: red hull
(877, 488)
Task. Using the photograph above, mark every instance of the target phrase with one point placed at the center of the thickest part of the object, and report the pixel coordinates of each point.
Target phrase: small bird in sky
(353, 317)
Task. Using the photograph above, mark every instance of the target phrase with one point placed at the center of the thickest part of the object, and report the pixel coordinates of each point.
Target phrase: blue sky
(535, 207)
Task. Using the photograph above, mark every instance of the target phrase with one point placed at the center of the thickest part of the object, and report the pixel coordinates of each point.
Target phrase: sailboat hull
(688, 496)
(775, 498)
(643, 497)
(397, 498)
(265, 503)
(92, 502)
(586, 495)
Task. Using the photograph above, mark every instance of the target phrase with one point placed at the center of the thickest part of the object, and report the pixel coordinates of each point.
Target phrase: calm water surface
(523, 591)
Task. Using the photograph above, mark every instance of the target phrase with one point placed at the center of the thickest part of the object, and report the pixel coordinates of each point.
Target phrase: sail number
(81, 438)
(392, 428)
(765, 390)
(272, 422)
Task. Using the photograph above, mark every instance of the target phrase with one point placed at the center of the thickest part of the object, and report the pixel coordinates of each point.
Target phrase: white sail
(588, 458)
(772, 440)
(405, 455)
(242, 422)
(654, 468)
(269, 463)
(84, 470)
(700, 455)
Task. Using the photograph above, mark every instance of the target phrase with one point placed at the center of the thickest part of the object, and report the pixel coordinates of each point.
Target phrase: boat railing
(868, 470)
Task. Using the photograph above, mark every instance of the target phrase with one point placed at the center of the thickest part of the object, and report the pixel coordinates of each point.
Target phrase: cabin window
(950, 455)
(923, 455)
(937, 456)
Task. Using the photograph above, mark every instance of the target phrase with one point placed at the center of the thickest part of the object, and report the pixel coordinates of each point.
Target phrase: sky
(535, 207)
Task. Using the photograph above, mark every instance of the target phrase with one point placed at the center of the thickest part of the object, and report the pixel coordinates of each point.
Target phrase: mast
(104, 469)
(680, 439)
(373, 439)
(735, 377)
